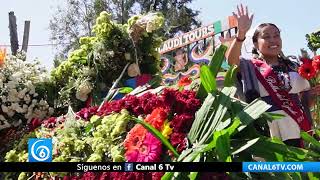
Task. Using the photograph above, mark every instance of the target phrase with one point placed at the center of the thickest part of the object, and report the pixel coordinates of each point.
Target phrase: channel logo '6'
(40, 150)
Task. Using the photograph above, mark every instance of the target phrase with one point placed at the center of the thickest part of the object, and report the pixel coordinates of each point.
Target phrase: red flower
(149, 150)
(127, 175)
(306, 60)
(156, 175)
(307, 71)
(105, 176)
(88, 102)
(71, 178)
(50, 122)
(35, 122)
(186, 102)
(87, 113)
(149, 102)
(89, 176)
(182, 123)
(184, 81)
(135, 138)
(316, 63)
(178, 140)
(143, 79)
(157, 118)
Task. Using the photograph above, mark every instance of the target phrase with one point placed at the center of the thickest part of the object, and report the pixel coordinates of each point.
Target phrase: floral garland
(107, 135)
(21, 101)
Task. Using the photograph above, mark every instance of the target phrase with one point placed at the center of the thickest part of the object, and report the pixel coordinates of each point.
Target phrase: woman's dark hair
(258, 31)
(255, 51)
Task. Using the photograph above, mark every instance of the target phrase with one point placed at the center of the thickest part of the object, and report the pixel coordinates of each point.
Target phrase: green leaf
(184, 154)
(274, 116)
(94, 119)
(236, 123)
(157, 134)
(222, 139)
(230, 78)
(191, 157)
(279, 156)
(289, 153)
(200, 118)
(125, 90)
(313, 176)
(253, 111)
(217, 115)
(245, 146)
(207, 79)
(305, 136)
(201, 93)
(296, 176)
(214, 66)
(167, 176)
(223, 124)
(193, 175)
(318, 132)
(217, 60)
(88, 128)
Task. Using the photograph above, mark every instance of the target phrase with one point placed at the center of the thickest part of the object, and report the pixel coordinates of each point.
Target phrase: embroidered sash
(281, 97)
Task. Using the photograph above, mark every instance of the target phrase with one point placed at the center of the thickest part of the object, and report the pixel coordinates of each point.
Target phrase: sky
(294, 18)
(39, 12)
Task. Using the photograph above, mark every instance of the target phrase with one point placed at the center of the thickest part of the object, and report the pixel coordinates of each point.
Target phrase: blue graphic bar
(281, 166)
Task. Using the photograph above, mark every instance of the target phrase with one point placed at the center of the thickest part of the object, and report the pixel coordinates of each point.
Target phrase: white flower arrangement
(20, 102)
(83, 90)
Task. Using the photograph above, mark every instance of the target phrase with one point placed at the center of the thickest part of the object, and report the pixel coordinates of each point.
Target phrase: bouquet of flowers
(20, 101)
(90, 71)
(310, 70)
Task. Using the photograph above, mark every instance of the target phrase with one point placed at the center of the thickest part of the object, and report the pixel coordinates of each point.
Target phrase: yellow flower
(2, 56)
(166, 130)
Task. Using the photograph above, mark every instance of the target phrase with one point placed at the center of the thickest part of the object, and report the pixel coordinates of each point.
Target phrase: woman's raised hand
(244, 21)
(316, 90)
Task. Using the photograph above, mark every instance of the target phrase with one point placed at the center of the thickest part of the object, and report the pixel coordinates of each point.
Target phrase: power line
(37, 45)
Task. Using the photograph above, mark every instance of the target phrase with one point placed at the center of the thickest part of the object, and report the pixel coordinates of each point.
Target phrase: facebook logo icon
(128, 167)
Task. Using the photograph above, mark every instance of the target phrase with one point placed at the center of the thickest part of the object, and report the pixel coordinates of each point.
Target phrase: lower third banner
(119, 167)
(160, 166)
(281, 167)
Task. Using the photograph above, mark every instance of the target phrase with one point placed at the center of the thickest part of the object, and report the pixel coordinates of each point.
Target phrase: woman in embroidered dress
(272, 77)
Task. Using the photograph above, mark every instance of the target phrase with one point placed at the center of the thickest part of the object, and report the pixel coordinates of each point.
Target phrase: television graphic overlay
(39, 150)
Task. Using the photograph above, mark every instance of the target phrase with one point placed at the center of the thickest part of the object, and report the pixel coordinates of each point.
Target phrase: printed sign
(198, 34)
(183, 55)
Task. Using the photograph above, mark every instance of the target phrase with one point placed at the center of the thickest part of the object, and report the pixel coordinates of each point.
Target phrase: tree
(313, 41)
(77, 17)
(179, 17)
(70, 23)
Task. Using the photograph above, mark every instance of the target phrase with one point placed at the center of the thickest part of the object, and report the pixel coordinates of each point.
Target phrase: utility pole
(13, 33)
(25, 36)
